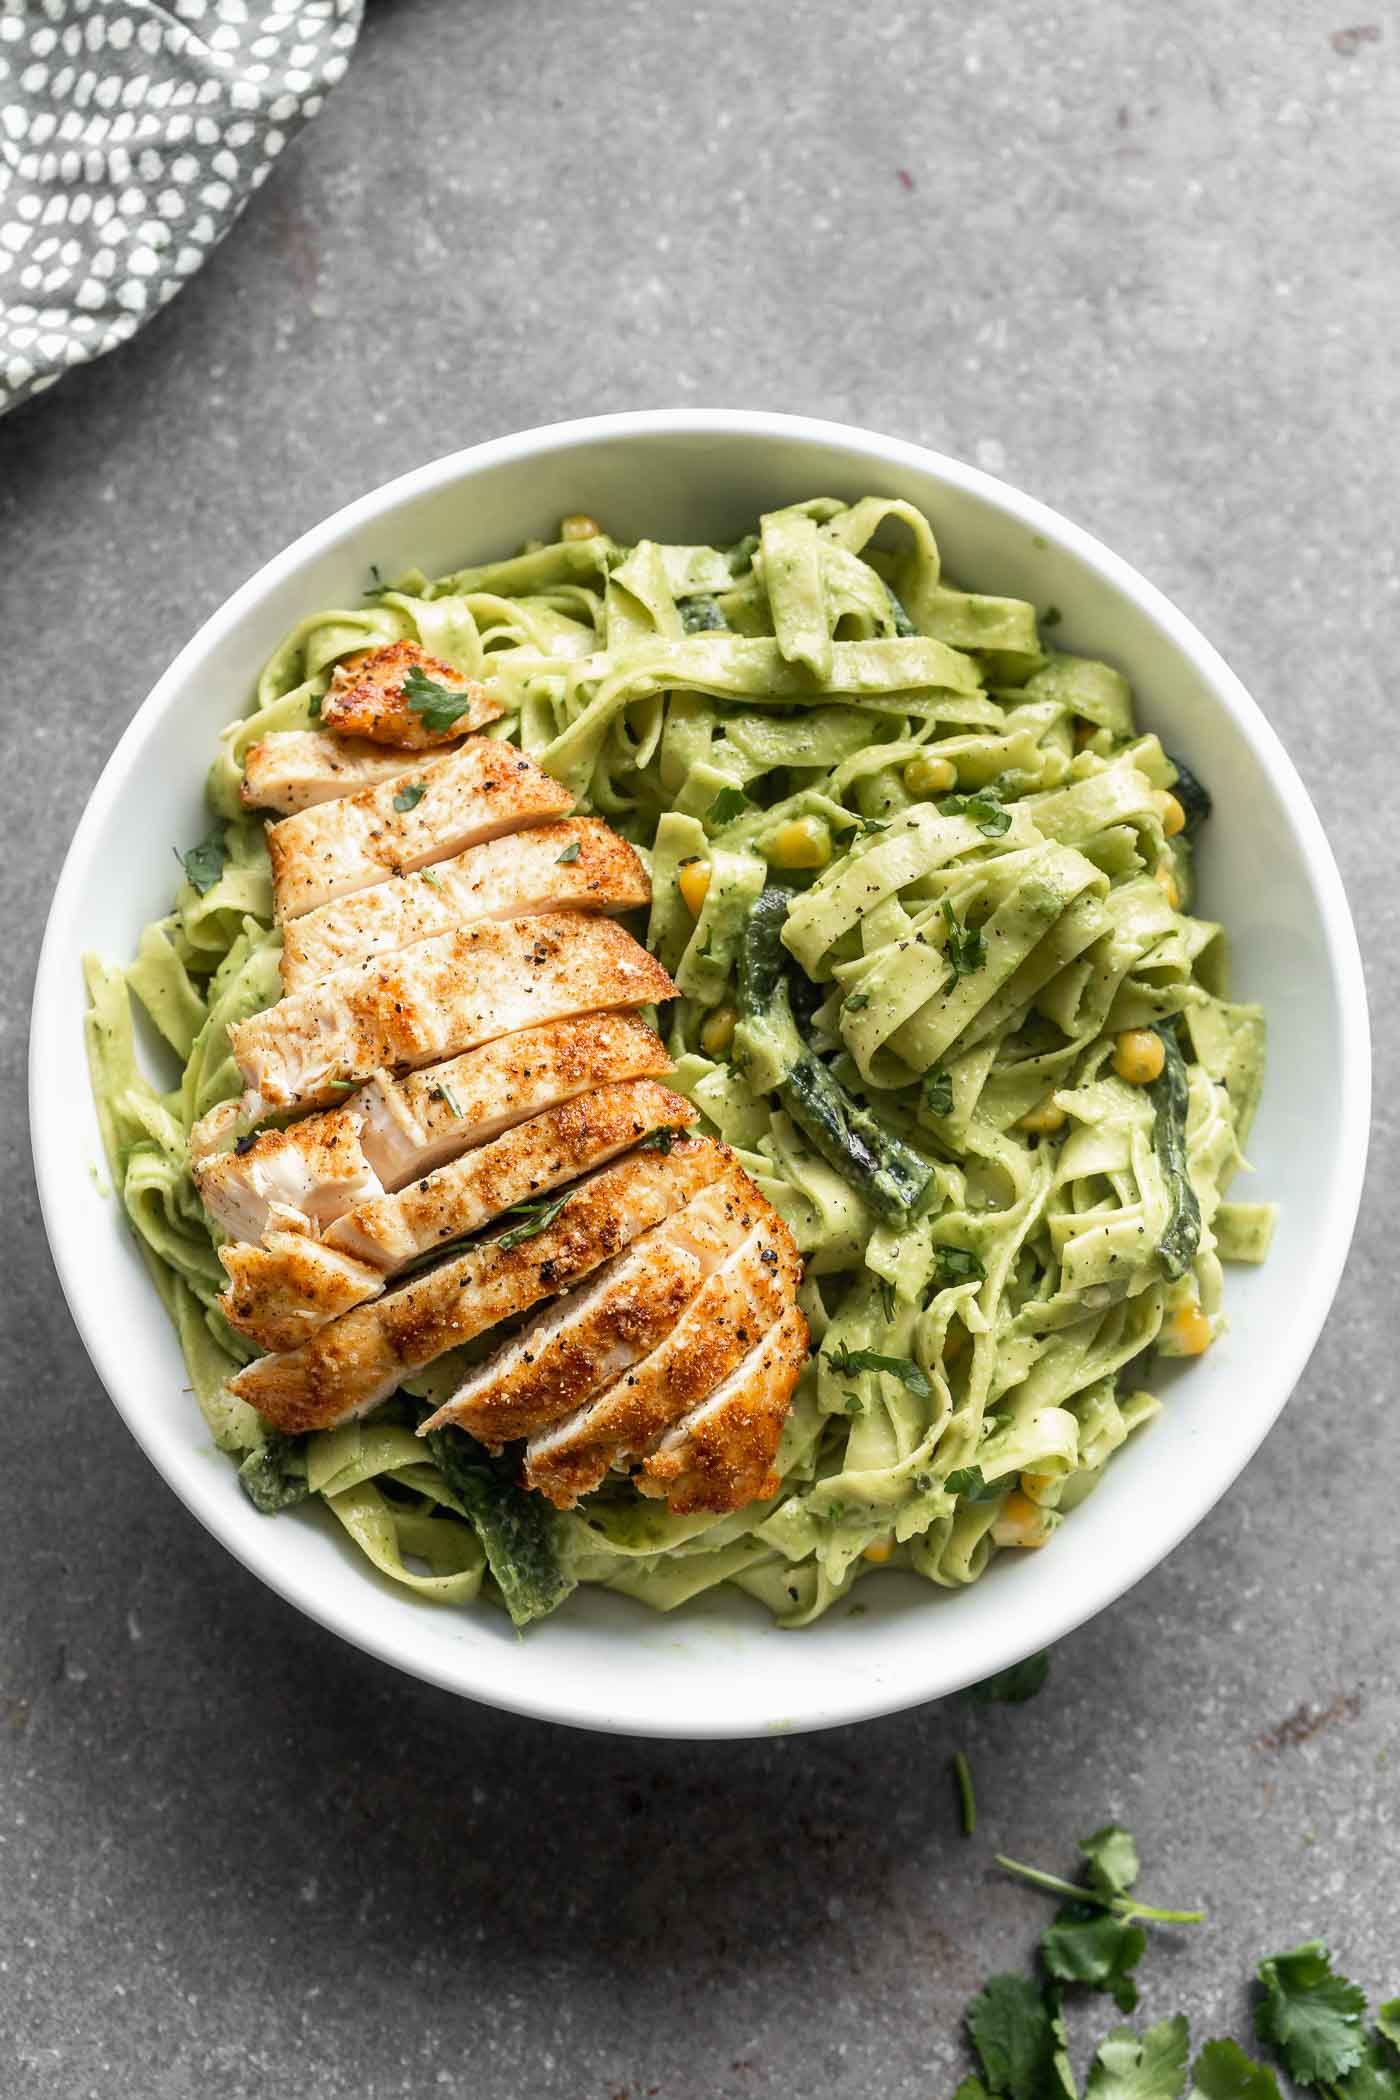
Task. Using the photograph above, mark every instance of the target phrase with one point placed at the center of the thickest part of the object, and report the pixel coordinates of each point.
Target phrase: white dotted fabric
(131, 136)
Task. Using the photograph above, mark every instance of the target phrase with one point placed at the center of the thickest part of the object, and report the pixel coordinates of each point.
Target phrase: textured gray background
(1144, 264)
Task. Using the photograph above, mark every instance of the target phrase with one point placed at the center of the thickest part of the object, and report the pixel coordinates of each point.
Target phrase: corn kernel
(693, 882)
(1020, 1522)
(1173, 815)
(1045, 1120)
(803, 842)
(1189, 1333)
(718, 1032)
(1037, 1484)
(930, 776)
(579, 527)
(1138, 1056)
(879, 1551)
(1167, 883)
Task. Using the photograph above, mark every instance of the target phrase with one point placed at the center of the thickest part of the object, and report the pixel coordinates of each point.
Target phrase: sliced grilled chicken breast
(720, 1456)
(294, 769)
(355, 1362)
(575, 865)
(281, 1292)
(435, 1000)
(588, 1339)
(371, 695)
(315, 1170)
(414, 1124)
(733, 1310)
(530, 1159)
(478, 792)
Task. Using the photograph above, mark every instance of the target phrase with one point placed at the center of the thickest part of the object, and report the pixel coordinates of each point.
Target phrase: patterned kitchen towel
(131, 137)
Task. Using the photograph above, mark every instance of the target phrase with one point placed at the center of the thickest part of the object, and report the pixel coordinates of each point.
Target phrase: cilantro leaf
(965, 948)
(889, 1297)
(938, 1092)
(1388, 2021)
(437, 706)
(1147, 2067)
(1014, 1686)
(662, 1140)
(968, 1482)
(871, 827)
(901, 1367)
(985, 804)
(957, 1265)
(729, 803)
(536, 1217)
(1085, 1945)
(1112, 1857)
(1011, 2032)
(205, 863)
(972, 2088)
(1375, 2077)
(1310, 2016)
(855, 1002)
(409, 797)
(570, 853)
(1222, 2071)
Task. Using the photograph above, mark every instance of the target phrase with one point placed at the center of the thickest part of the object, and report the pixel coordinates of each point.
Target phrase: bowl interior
(720, 1668)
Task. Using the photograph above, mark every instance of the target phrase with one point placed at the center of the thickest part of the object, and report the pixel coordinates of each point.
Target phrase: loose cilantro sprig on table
(438, 707)
(1312, 2019)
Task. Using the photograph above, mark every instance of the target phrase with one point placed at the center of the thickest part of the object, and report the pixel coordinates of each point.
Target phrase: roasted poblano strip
(890, 1175)
(1182, 1237)
(516, 1529)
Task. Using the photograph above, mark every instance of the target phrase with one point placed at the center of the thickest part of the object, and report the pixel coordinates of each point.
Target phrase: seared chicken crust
(368, 697)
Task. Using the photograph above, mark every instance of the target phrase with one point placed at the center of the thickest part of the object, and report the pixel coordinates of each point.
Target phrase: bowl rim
(843, 1702)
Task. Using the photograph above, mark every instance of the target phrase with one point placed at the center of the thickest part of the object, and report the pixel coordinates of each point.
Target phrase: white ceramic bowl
(721, 1669)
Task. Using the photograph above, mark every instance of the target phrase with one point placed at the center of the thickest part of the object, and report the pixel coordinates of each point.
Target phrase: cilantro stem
(967, 1800)
(1079, 1892)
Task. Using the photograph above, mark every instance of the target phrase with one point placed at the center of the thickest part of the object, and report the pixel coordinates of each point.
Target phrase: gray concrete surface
(1141, 260)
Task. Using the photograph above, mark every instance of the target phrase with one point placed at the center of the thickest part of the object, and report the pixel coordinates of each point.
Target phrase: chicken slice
(479, 792)
(589, 1338)
(294, 769)
(732, 1312)
(720, 1456)
(577, 864)
(409, 1126)
(530, 1159)
(315, 1170)
(415, 1123)
(282, 1291)
(371, 695)
(351, 1365)
(437, 999)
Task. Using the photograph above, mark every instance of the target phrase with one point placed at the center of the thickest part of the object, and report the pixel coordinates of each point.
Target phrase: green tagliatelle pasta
(941, 988)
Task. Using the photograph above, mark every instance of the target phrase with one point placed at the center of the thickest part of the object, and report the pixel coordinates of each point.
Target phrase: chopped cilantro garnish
(985, 806)
(889, 1297)
(957, 1265)
(855, 1002)
(901, 1367)
(965, 948)
(729, 803)
(448, 1098)
(409, 797)
(570, 853)
(854, 1404)
(535, 1217)
(437, 706)
(661, 1140)
(938, 1092)
(205, 863)
(969, 1483)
